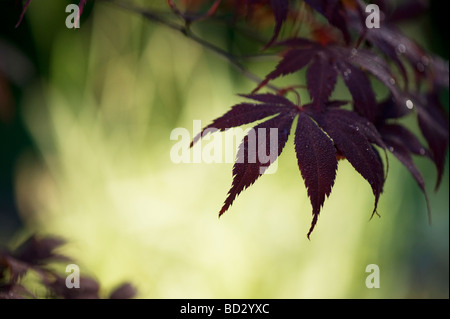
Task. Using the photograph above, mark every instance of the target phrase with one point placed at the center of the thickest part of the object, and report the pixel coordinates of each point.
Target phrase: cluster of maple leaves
(328, 130)
(325, 130)
(36, 255)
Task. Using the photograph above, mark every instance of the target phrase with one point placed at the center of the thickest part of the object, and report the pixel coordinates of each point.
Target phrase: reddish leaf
(389, 109)
(360, 124)
(402, 143)
(395, 45)
(404, 137)
(38, 250)
(316, 156)
(433, 123)
(17, 268)
(246, 113)
(351, 140)
(409, 10)
(364, 102)
(321, 80)
(31, 255)
(389, 40)
(248, 166)
(385, 46)
(88, 289)
(15, 291)
(124, 291)
(373, 64)
(280, 10)
(334, 12)
(293, 61)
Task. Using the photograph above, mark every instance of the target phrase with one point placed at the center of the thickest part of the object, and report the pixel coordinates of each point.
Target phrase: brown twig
(232, 59)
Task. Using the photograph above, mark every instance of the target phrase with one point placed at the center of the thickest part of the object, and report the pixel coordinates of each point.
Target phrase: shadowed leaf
(351, 140)
(249, 162)
(321, 80)
(316, 156)
(245, 113)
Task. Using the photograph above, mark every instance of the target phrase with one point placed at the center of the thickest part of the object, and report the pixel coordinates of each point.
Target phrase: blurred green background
(86, 117)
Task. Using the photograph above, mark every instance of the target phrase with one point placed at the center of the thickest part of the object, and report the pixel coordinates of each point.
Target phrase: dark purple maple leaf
(359, 86)
(32, 255)
(280, 10)
(335, 12)
(124, 291)
(321, 79)
(434, 125)
(321, 137)
(398, 47)
(354, 141)
(251, 162)
(246, 113)
(325, 62)
(402, 144)
(88, 289)
(326, 132)
(316, 156)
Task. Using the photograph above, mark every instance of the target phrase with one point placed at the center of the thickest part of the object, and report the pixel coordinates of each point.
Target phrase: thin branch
(233, 60)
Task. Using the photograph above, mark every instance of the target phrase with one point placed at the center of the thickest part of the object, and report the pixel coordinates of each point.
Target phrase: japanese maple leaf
(32, 254)
(403, 144)
(335, 12)
(325, 62)
(280, 10)
(321, 137)
(389, 40)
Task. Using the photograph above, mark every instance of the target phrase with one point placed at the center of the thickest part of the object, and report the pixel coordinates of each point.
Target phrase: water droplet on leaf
(401, 48)
(409, 104)
(420, 67)
(425, 60)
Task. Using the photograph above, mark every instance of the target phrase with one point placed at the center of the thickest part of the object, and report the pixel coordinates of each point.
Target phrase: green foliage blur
(85, 121)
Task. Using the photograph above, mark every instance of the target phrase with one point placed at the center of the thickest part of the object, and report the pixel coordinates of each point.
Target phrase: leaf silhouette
(316, 156)
(389, 109)
(32, 254)
(88, 289)
(38, 250)
(124, 291)
(404, 137)
(14, 291)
